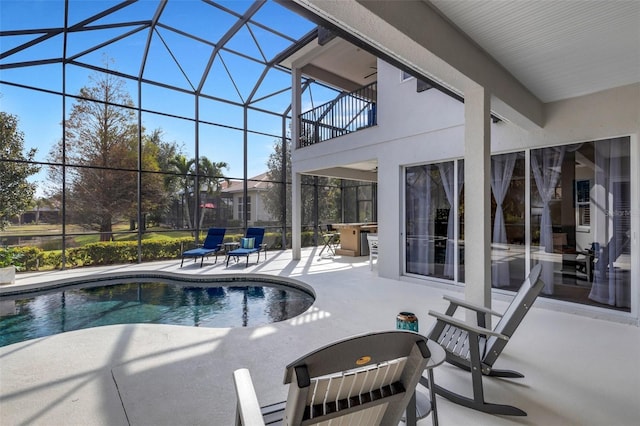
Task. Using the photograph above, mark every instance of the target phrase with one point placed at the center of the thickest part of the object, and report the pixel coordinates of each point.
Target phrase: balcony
(346, 114)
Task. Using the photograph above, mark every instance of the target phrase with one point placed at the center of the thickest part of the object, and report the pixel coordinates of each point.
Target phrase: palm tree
(38, 203)
(184, 172)
(211, 179)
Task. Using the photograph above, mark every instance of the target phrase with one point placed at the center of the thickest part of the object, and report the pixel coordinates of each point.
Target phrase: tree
(101, 141)
(210, 181)
(16, 192)
(156, 197)
(37, 204)
(100, 137)
(210, 178)
(275, 197)
(183, 174)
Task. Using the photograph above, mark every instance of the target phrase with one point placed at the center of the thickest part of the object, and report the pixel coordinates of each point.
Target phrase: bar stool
(329, 239)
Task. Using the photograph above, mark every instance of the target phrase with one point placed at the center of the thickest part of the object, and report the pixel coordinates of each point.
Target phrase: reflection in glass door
(580, 218)
(431, 192)
(508, 220)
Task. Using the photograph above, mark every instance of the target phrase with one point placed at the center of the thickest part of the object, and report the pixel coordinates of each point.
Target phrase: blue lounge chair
(251, 243)
(212, 245)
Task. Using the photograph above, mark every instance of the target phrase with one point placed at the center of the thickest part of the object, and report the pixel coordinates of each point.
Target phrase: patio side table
(426, 404)
(230, 245)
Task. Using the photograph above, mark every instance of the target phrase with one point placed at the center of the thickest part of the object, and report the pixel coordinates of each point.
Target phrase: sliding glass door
(508, 184)
(432, 192)
(581, 221)
(579, 214)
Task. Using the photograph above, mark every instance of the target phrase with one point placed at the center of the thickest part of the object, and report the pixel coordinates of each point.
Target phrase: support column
(296, 215)
(296, 211)
(477, 197)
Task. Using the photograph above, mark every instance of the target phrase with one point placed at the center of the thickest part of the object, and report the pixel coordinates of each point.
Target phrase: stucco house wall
(257, 186)
(428, 127)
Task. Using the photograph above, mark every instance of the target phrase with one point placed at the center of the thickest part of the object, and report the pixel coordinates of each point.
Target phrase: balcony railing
(348, 113)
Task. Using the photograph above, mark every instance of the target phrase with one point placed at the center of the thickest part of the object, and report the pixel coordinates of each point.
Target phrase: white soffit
(557, 49)
(340, 59)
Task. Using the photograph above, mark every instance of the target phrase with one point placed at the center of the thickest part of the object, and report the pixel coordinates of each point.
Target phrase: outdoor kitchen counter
(350, 241)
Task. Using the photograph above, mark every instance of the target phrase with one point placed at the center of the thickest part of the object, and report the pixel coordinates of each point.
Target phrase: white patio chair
(372, 239)
(363, 380)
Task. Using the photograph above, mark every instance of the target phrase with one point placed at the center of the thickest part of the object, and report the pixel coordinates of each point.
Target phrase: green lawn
(121, 233)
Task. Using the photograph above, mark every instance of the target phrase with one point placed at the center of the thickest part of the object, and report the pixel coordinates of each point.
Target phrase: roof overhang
(365, 171)
(413, 36)
(335, 62)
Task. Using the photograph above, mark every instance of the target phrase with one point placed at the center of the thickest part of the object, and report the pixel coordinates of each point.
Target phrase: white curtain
(419, 255)
(501, 171)
(611, 285)
(447, 174)
(546, 164)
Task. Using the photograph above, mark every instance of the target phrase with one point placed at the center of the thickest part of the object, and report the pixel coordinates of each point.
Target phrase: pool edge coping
(17, 289)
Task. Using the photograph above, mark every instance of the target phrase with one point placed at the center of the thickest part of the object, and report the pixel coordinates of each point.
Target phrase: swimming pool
(202, 302)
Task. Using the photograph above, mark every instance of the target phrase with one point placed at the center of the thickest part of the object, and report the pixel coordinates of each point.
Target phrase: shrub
(8, 257)
(24, 258)
(109, 253)
(53, 259)
(31, 258)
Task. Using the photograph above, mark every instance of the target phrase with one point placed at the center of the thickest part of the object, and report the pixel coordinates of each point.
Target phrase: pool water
(236, 304)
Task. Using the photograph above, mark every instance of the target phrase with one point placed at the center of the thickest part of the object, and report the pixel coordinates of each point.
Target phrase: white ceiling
(337, 63)
(557, 49)
(351, 62)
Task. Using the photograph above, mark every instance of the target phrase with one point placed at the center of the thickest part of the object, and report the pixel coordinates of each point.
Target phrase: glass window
(430, 196)
(508, 220)
(460, 221)
(365, 203)
(580, 219)
(359, 201)
(583, 203)
(241, 208)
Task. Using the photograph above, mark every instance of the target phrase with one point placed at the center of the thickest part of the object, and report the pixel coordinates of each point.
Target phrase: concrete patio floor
(578, 370)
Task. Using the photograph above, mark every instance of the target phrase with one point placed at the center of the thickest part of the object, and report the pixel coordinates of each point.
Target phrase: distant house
(43, 214)
(257, 187)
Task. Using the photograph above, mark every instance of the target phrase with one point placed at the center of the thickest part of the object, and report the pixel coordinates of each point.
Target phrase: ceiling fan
(373, 73)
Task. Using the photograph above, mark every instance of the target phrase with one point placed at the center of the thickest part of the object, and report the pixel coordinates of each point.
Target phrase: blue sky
(40, 113)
